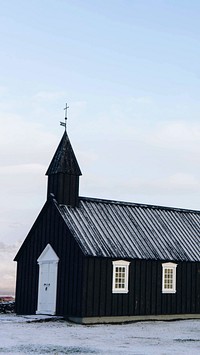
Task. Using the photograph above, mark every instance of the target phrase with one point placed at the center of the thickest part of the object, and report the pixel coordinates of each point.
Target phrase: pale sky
(129, 70)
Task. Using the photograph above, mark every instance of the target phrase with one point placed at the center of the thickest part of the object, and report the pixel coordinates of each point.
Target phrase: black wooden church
(92, 260)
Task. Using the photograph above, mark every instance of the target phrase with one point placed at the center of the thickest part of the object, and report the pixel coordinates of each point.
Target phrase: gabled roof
(116, 229)
(64, 160)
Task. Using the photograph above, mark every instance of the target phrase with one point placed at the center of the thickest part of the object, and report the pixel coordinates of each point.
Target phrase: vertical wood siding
(50, 228)
(64, 187)
(85, 283)
(145, 295)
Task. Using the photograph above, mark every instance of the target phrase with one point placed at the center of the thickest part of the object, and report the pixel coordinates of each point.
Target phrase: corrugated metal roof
(127, 230)
(64, 160)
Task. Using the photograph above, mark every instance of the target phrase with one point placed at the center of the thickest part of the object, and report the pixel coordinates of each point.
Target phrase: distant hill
(6, 299)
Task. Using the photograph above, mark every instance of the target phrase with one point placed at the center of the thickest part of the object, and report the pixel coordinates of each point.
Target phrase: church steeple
(63, 174)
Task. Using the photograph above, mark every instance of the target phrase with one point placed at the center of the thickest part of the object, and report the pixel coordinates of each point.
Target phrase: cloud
(22, 141)
(7, 267)
(8, 248)
(175, 134)
(22, 169)
(175, 184)
(183, 182)
(26, 150)
(157, 163)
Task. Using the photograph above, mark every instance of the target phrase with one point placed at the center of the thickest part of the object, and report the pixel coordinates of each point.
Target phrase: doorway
(47, 286)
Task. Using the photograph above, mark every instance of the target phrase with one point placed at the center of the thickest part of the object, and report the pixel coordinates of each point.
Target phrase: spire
(63, 174)
(64, 160)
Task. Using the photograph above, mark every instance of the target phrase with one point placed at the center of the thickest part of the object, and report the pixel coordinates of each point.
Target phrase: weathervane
(64, 124)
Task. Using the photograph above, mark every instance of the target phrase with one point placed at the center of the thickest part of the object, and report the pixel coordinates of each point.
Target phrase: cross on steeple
(64, 124)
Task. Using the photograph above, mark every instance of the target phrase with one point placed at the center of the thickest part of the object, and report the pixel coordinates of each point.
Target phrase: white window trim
(125, 264)
(171, 266)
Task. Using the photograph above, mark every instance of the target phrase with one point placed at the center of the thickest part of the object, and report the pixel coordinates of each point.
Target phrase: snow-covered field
(25, 335)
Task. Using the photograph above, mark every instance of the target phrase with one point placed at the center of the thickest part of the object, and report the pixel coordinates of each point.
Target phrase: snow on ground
(27, 335)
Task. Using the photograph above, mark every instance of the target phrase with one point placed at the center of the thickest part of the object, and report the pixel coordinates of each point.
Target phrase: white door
(47, 287)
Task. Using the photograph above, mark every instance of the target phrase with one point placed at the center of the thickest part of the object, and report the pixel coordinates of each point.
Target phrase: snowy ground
(25, 335)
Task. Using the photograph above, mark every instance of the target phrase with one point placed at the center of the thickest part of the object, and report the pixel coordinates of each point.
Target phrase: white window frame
(125, 265)
(171, 267)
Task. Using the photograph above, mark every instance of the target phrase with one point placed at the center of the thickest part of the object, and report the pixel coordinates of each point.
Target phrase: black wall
(145, 295)
(85, 283)
(65, 188)
(50, 228)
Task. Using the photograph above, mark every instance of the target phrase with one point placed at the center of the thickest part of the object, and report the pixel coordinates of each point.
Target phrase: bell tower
(63, 173)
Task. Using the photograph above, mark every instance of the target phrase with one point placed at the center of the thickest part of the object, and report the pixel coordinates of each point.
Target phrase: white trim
(125, 265)
(48, 255)
(48, 265)
(171, 267)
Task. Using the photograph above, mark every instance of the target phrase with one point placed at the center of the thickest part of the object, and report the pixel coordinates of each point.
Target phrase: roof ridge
(143, 205)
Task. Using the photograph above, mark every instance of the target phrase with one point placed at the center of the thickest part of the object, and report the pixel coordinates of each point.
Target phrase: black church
(95, 261)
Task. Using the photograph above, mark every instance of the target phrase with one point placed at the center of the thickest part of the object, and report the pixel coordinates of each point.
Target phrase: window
(169, 278)
(120, 276)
